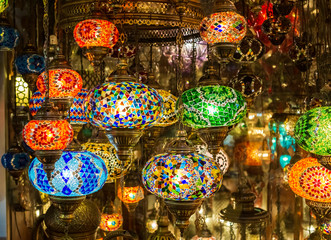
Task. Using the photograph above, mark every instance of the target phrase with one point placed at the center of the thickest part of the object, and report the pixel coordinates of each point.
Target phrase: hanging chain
(46, 46)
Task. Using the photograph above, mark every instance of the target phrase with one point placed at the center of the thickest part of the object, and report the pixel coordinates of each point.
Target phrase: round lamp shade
(312, 131)
(182, 177)
(75, 174)
(130, 194)
(310, 180)
(47, 134)
(15, 161)
(212, 106)
(169, 109)
(284, 160)
(124, 105)
(96, 33)
(107, 152)
(221, 159)
(63, 83)
(36, 101)
(111, 222)
(9, 38)
(30, 63)
(223, 27)
(77, 109)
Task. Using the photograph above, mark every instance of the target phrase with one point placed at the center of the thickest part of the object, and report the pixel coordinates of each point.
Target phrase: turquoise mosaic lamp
(312, 133)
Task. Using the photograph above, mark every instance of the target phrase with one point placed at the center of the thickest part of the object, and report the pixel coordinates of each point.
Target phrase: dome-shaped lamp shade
(212, 106)
(310, 180)
(9, 38)
(63, 83)
(130, 194)
(15, 161)
(96, 33)
(107, 152)
(111, 222)
(36, 101)
(75, 174)
(182, 177)
(77, 109)
(47, 134)
(169, 110)
(30, 63)
(223, 27)
(312, 131)
(124, 105)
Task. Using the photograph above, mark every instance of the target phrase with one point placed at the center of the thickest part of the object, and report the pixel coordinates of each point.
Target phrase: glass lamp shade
(130, 194)
(221, 159)
(182, 177)
(310, 180)
(36, 101)
(169, 116)
(77, 109)
(96, 33)
(15, 161)
(3, 5)
(75, 174)
(325, 228)
(249, 152)
(63, 83)
(107, 152)
(47, 134)
(9, 38)
(111, 222)
(312, 131)
(223, 27)
(284, 160)
(124, 105)
(151, 225)
(30, 63)
(212, 106)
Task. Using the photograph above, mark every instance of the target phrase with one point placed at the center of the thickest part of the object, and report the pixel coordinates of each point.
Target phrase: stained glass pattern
(30, 63)
(96, 33)
(182, 177)
(223, 27)
(15, 161)
(313, 131)
(47, 134)
(3, 5)
(130, 194)
(75, 174)
(124, 105)
(22, 92)
(107, 153)
(77, 109)
(212, 106)
(326, 228)
(9, 38)
(222, 158)
(36, 101)
(169, 110)
(63, 83)
(310, 180)
(111, 222)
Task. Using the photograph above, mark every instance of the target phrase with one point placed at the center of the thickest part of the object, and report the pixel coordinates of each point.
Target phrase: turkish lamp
(162, 231)
(110, 219)
(151, 223)
(204, 234)
(9, 36)
(3, 5)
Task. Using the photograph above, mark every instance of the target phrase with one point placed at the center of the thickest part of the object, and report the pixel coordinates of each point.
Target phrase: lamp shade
(9, 37)
(36, 101)
(124, 105)
(30, 63)
(312, 131)
(77, 109)
(310, 180)
(3, 5)
(111, 222)
(63, 83)
(96, 33)
(130, 194)
(169, 109)
(284, 160)
(15, 161)
(221, 159)
(75, 174)
(182, 177)
(47, 134)
(212, 106)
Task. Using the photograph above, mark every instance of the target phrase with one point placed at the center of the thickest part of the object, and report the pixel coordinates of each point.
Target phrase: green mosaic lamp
(313, 133)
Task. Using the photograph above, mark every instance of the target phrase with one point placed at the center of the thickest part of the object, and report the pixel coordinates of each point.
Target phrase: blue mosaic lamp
(35, 102)
(9, 37)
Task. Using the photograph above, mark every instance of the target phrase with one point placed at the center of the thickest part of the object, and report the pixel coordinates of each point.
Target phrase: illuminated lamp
(30, 65)
(313, 133)
(3, 5)
(204, 234)
(9, 37)
(125, 51)
(36, 101)
(284, 160)
(223, 30)
(162, 231)
(276, 29)
(110, 219)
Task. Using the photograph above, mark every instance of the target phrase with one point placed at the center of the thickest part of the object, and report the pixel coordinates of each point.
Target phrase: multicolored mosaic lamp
(9, 37)
(223, 30)
(3, 5)
(36, 101)
(313, 133)
(30, 65)
(110, 219)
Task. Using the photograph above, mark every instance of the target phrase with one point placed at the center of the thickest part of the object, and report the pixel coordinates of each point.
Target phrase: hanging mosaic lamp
(162, 231)
(30, 65)
(312, 132)
(64, 83)
(9, 37)
(36, 101)
(110, 219)
(96, 36)
(100, 146)
(123, 108)
(3, 5)
(223, 30)
(183, 178)
(284, 160)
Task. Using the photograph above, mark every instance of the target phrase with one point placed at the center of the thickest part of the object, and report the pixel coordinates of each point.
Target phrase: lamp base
(214, 137)
(63, 104)
(16, 174)
(48, 159)
(223, 51)
(95, 54)
(31, 79)
(325, 161)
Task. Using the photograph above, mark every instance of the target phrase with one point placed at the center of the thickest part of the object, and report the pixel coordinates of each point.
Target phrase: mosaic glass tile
(15, 161)
(77, 109)
(36, 101)
(9, 38)
(30, 63)
(111, 222)
(169, 109)
(130, 194)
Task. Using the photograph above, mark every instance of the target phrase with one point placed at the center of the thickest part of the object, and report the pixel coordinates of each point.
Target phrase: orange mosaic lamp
(111, 222)
(131, 196)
